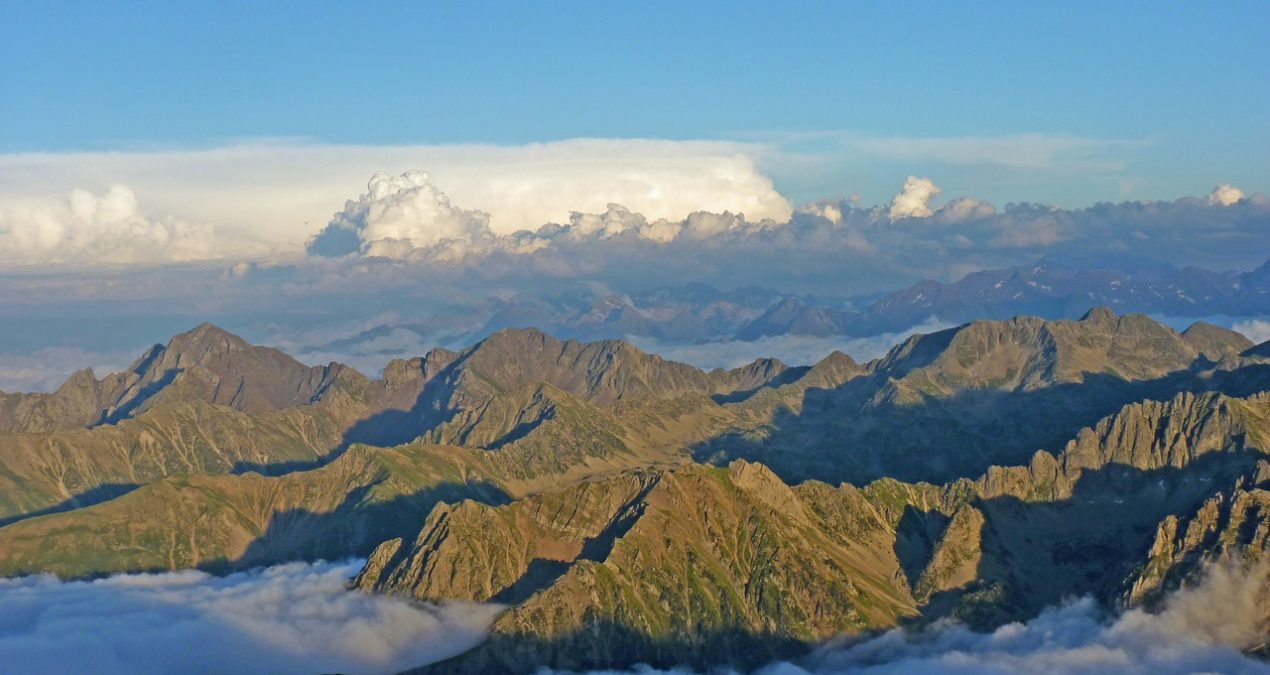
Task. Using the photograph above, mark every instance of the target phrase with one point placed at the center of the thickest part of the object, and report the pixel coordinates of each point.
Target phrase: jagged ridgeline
(629, 509)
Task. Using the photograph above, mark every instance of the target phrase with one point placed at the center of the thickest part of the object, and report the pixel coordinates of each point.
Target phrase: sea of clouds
(300, 618)
(293, 618)
(1201, 629)
(794, 350)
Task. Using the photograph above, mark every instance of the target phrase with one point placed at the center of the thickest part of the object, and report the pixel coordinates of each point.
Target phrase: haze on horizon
(315, 181)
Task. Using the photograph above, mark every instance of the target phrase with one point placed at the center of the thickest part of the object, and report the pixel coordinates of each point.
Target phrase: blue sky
(165, 163)
(1175, 94)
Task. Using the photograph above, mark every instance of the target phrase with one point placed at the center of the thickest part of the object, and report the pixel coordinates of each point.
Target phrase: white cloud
(408, 218)
(1225, 195)
(275, 196)
(293, 618)
(794, 350)
(105, 228)
(1200, 630)
(913, 200)
(825, 209)
(616, 219)
(963, 209)
(47, 368)
(398, 214)
(1257, 330)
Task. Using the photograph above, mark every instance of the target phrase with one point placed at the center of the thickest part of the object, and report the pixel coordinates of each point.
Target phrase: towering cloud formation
(268, 199)
(1225, 195)
(107, 227)
(913, 201)
(397, 215)
(408, 218)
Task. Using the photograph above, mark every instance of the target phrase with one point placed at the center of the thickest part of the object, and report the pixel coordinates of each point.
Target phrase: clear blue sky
(1190, 79)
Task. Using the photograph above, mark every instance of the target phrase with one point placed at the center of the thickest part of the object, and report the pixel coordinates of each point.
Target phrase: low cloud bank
(293, 618)
(409, 221)
(109, 227)
(1200, 629)
(794, 350)
(45, 369)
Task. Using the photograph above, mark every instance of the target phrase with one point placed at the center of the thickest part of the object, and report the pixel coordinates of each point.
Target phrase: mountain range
(628, 509)
(698, 313)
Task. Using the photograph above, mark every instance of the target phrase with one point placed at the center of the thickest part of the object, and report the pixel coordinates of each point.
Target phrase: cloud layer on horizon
(262, 202)
(410, 218)
(266, 200)
(100, 228)
(293, 618)
(793, 350)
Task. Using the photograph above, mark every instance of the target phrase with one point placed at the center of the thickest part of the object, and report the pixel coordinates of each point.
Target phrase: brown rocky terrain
(630, 509)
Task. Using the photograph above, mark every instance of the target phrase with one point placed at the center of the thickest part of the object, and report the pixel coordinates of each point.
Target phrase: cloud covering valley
(293, 618)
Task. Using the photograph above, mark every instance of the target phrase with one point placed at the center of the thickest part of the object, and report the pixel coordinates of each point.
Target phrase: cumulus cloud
(827, 210)
(420, 249)
(276, 196)
(1225, 195)
(103, 228)
(294, 618)
(408, 218)
(1257, 330)
(397, 215)
(913, 200)
(963, 209)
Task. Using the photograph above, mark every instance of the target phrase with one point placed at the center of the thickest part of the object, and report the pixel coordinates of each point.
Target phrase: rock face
(229, 522)
(1215, 342)
(206, 364)
(708, 566)
(695, 565)
(1001, 389)
(1232, 524)
(207, 402)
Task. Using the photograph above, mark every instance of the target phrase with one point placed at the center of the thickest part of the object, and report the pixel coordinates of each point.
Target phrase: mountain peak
(207, 337)
(1099, 314)
(1214, 342)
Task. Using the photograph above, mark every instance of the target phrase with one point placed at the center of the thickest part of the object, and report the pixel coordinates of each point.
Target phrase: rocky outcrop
(1232, 524)
(714, 566)
(206, 365)
(1214, 342)
(693, 565)
(237, 521)
(1027, 353)
(1002, 389)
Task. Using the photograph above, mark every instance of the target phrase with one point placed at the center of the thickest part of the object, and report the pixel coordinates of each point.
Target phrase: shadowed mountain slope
(713, 567)
(951, 403)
